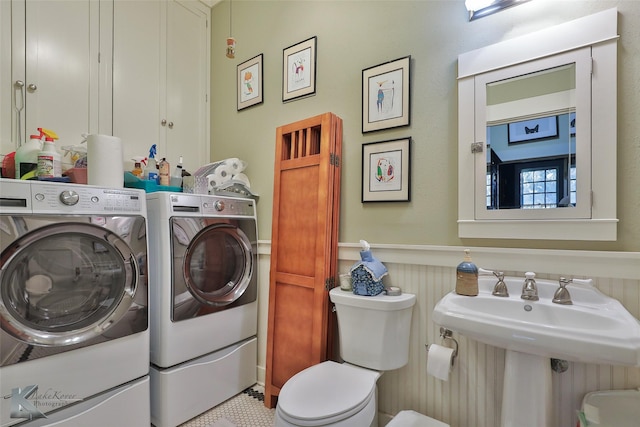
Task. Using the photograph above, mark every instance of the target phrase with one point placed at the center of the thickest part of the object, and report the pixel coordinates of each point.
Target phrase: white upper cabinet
(161, 79)
(537, 134)
(57, 66)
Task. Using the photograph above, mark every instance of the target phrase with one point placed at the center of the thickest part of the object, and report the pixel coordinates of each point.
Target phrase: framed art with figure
(386, 95)
(299, 70)
(386, 171)
(250, 81)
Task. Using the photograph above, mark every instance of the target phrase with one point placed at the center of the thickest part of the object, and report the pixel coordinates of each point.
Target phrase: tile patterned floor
(244, 410)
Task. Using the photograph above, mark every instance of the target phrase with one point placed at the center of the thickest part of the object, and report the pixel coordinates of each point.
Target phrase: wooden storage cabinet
(304, 248)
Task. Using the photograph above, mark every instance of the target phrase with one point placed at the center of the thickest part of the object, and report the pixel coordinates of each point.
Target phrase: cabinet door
(136, 76)
(187, 84)
(161, 80)
(57, 53)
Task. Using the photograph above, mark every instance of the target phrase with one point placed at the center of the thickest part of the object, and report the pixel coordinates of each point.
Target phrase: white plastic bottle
(49, 160)
(176, 176)
(27, 158)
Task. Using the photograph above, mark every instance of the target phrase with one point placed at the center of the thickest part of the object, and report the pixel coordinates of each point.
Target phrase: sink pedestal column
(526, 399)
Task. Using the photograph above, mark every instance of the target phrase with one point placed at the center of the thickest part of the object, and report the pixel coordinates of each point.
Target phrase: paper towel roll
(439, 361)
(105, 163)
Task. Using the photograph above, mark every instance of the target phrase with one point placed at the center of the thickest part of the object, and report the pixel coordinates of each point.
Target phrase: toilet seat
(326, 393)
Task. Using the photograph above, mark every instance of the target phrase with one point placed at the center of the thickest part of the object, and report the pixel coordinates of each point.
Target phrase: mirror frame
(597, 32)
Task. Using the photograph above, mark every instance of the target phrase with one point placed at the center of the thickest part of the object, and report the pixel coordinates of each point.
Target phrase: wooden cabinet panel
(304, 247)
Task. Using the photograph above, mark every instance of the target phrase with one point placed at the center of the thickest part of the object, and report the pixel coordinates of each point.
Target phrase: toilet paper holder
(447, 334)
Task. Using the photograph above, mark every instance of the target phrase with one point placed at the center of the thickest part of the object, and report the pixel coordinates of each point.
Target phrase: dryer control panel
(227, 206)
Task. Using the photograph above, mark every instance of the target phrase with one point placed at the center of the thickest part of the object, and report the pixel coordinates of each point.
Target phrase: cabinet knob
(163, 122)
(170, 125)
(32, 87)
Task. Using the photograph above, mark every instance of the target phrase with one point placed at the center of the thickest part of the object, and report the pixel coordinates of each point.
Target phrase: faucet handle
(562, 295)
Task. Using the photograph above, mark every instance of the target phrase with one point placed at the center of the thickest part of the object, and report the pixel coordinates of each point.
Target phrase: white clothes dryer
(203, 302)
(73, 304)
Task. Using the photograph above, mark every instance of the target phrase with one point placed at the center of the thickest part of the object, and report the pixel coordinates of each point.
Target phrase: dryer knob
(219, 205)
(69, 197)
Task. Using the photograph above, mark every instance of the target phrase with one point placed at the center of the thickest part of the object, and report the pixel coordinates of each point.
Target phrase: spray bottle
(49, 159)
(151, 169)
(27, 157)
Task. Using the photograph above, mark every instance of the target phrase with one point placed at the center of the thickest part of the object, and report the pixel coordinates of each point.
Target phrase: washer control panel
(78, 199)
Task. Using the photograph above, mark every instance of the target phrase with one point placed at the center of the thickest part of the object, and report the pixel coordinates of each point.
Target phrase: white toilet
(374, 337)
(612, 408)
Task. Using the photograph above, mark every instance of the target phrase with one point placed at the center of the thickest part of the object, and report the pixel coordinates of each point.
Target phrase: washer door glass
(65, 283)
(218, 264)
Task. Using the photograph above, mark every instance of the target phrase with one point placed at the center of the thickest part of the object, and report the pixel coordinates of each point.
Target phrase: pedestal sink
(594, 329)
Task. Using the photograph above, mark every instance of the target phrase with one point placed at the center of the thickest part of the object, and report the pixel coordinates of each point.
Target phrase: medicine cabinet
(537, 134)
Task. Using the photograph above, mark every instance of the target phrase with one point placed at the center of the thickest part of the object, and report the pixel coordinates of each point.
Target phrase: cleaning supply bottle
(163, 172)
(151, 169)
(137, 170)
(27, 157)
(467, 276)
(176, 176)
(49, 159)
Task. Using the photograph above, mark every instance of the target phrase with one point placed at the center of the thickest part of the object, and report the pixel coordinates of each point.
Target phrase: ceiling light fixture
(479, 8)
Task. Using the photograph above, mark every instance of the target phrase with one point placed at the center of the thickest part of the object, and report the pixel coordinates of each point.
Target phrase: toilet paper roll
(105, 163)
(439, 361)
(220, 175)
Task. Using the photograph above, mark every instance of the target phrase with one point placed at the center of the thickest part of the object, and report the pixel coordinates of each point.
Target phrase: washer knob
(69, 197)
(219, 205)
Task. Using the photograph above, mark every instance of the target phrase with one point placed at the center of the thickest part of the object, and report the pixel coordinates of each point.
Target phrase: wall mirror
(537, 134)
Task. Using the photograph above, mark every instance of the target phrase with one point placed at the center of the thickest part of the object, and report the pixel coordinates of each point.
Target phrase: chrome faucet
(529, 289)
(562, 295)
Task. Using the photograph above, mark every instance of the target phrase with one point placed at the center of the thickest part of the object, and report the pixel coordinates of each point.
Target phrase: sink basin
(594, 329)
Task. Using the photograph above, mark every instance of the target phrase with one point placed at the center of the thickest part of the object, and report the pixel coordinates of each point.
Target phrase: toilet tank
(374, 330)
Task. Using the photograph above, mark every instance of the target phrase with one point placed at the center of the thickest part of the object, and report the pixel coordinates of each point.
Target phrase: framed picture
(250, 81)
(385, 95)
(529, 130)
(386, 171)
(299, 70)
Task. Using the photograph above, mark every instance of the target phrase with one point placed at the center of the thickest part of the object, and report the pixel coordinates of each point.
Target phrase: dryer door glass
(65, 283)
(218, 264)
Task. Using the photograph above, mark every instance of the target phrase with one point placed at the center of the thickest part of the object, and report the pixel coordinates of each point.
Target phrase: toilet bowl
(374, 337)
(612, 408)
(414, 419)
(348, 399)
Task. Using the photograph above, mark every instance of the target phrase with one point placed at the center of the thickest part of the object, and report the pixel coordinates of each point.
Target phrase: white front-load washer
(203, 302)
(74, 337)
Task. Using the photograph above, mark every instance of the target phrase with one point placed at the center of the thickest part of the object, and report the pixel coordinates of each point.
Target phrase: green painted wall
(354, 35)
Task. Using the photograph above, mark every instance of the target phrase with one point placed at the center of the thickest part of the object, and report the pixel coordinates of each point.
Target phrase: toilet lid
(327, 392)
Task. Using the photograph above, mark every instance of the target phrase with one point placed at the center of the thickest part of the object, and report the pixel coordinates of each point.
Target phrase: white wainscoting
(472, 396)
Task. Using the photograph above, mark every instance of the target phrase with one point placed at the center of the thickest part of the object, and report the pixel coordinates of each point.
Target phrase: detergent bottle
(27, 157)
(49, 159)
(151, 169)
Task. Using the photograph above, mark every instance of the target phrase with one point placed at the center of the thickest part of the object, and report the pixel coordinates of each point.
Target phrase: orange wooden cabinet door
(304, 248)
